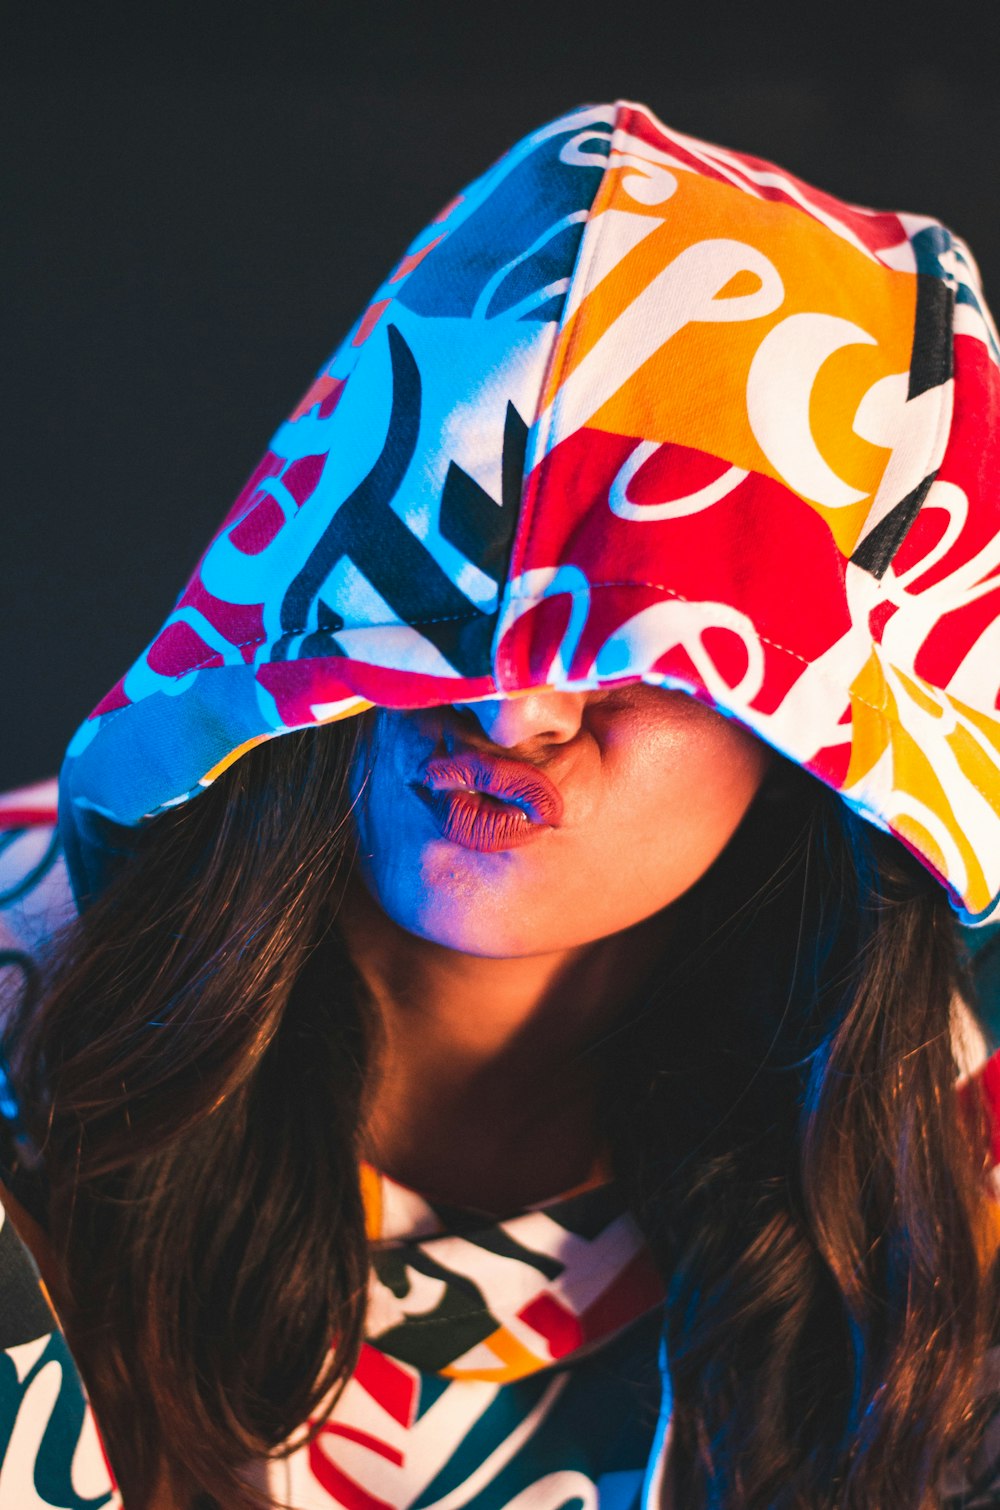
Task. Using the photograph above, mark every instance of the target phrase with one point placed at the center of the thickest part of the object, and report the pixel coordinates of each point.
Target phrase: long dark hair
(779, 1103)
(809, 1178)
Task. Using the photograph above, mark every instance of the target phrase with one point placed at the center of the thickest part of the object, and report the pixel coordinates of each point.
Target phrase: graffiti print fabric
(51, 1456)
(632, 407)
(501, 1299)
(508, 1362)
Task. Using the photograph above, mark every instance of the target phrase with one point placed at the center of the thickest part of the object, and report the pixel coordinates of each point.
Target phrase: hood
(632, 407)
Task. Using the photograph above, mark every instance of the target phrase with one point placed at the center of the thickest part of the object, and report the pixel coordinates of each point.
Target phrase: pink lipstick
(486, 803)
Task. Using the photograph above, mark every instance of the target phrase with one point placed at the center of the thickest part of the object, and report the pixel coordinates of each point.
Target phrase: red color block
(555, 1322)
(26, 817)
(388, 1383)
(369, 320)
(636, 1289)
(178, 650)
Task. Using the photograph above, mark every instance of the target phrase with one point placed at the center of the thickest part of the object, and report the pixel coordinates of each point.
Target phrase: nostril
(465, 720)
(464, 713)
(462, 724)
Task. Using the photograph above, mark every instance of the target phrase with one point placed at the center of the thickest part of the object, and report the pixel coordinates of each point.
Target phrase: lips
(487, 803)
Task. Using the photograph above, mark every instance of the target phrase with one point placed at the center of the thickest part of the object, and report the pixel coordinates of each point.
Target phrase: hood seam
(530, 489)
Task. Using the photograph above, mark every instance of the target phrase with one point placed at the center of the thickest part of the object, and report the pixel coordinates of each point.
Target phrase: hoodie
(632, 407)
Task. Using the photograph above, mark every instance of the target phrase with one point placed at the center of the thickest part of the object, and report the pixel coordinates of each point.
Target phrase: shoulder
(36, 901)
(49, 1445)
(35, 895)
(53, 1449)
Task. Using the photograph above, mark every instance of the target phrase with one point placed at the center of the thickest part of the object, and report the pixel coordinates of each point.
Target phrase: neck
(485, 1094)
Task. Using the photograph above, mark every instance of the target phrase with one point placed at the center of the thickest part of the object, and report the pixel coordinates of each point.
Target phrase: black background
(199, 199)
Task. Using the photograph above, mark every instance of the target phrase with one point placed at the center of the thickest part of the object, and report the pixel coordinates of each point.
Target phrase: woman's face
(545, 821)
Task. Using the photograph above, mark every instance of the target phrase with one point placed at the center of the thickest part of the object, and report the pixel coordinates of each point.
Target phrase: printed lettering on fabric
(741, 433)
(50, 1454)
(373, 539)
(632, 407)
(508, 1362)
(412, 1440)
(478, 1298)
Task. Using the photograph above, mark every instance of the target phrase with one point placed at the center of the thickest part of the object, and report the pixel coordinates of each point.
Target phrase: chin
(473, 934)
(469, 926)
(447, 899)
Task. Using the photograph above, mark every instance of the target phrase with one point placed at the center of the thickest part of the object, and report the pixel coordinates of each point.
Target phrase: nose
(532, 719)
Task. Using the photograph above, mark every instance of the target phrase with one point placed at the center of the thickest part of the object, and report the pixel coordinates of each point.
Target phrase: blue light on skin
(493, 970)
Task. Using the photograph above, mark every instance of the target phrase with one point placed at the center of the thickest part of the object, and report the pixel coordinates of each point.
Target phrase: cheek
(682, 796)
(378, 783)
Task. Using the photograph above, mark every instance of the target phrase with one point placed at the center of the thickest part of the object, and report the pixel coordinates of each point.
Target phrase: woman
(569, 1029)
